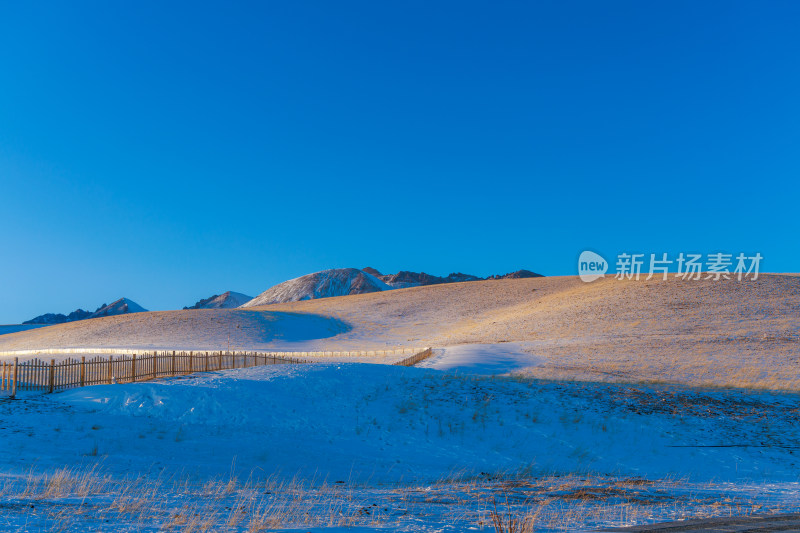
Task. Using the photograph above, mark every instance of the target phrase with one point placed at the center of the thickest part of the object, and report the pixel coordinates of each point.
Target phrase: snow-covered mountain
(344, 281)
(227, 300)
(333, 282)
(121, 306)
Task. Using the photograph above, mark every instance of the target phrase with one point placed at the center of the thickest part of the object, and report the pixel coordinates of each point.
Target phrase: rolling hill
(700, 332)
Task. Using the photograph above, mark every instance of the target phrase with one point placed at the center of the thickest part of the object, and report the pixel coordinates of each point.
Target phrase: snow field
(416, 449)
(389, 424)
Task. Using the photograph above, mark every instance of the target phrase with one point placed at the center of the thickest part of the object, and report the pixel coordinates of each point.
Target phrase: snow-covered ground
(483, 358)
(381, 446)
(13, 328)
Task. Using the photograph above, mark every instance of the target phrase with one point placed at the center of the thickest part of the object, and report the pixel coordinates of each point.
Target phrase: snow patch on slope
(487, 359)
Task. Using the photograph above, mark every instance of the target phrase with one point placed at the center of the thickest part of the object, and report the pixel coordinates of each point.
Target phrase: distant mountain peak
(226, 300)
(119, 307)
(323, 284)
(517, 275)
(372, 271)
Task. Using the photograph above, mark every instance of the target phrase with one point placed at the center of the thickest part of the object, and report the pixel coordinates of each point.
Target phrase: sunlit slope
(211, 329)
(722, 332)
(565, 308)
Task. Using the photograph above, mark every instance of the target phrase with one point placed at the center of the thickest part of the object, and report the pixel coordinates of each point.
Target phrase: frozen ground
(412, 449)
(488, 359)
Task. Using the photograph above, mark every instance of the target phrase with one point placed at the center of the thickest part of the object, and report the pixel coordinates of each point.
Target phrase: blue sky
(169, 152)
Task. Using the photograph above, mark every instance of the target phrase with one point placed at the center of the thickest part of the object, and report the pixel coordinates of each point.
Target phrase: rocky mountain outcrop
(119, 307)
(226, 300)
(324, 284)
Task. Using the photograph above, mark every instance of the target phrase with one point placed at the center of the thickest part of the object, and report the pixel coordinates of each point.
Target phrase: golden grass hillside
(704, 332)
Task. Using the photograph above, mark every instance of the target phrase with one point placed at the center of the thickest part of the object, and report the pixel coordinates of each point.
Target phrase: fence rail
(148, 351)
(416, 358)
(40, 375)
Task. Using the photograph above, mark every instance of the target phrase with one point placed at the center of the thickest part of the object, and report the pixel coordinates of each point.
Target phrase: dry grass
(71, 497)
(572, 502)
(74, 499)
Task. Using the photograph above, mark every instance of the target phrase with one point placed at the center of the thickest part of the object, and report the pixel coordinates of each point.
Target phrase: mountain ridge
(117, 307)
(404, 278)
(347, 281)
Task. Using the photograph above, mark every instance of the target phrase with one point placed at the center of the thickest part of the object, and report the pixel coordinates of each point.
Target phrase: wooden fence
(416, 358)
(40, 375)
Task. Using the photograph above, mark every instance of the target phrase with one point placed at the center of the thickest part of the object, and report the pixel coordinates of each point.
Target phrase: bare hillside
(204, 329)
(716, 332)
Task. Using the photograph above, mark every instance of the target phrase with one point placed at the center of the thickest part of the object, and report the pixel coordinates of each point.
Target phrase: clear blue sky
(166, 152)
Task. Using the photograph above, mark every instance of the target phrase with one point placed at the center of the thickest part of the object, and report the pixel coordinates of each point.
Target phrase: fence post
(110, 370)
(133, 368)
(191, 362)
(14, 385)
(52, 373)
(83, 370)
(206, 362)
(173, 362)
